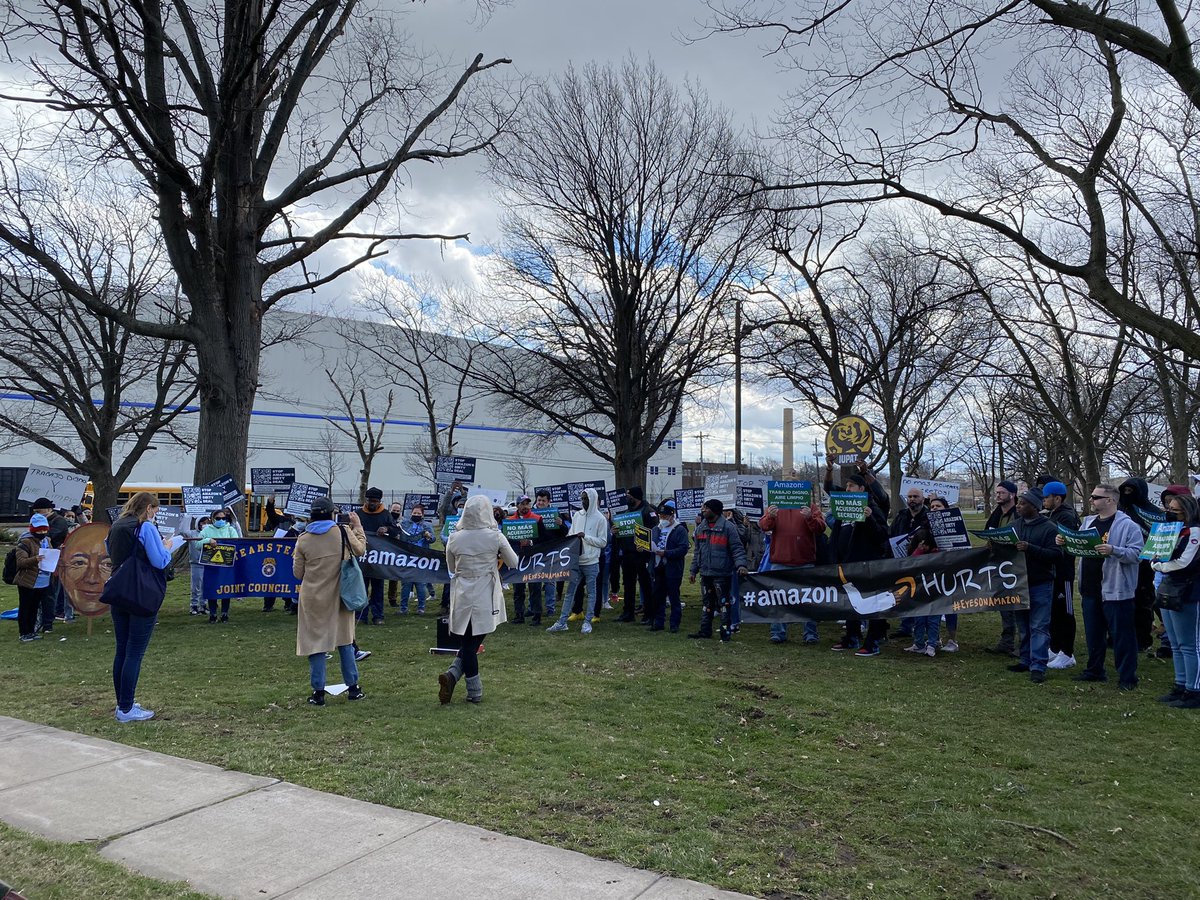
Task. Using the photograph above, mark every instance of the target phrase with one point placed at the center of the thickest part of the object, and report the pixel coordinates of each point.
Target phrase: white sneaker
(929, 651)
(557, 628)
(913, 648)
(1055, 660)
(587, 627)
(1065, 662)
(950, 647)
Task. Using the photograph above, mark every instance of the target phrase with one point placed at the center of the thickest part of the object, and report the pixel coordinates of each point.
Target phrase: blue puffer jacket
(674, 542)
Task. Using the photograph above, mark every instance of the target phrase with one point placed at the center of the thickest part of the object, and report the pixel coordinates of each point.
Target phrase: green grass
(47, 870)
(778, 770)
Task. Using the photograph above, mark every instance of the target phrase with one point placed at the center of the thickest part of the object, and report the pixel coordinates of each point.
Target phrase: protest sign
(301, 496)
(948, 529)
(114, 513)
(1162, 540)
(616, 500)
(448, 526)
(899, 546)
(520, 529)
(688, 502)
(752, 494)
(721, 486)
(550, 561)
(959, 581)
(1006, 535)
(849, 440)
(559, 495)
(63, 489)
(1080, 543)
(790, 494)
(641, 538)
(230, 492)
(271, 481)
(947, 490)
(575, 491)
(848, 506)
(169, 519)
(217, 554)
(497, 496)
(201, 499)
(551, 517)
(626, 522)
(428, 501)
(454, 468)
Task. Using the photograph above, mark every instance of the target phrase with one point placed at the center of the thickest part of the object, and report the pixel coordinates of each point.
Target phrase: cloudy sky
(543, 37)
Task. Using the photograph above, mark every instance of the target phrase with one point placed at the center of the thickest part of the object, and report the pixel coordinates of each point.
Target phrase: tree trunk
(104, 491)
(629, 468)
(228, 359)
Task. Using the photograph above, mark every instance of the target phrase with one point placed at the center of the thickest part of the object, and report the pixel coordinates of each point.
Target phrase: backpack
(10, 566)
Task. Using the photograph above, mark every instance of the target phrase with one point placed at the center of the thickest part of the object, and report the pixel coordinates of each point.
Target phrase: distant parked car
(979, 507)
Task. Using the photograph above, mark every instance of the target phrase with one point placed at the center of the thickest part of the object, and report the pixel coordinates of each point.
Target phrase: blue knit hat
(1055, 489)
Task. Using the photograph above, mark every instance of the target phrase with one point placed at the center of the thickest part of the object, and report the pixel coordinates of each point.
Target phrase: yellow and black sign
(217, 555)
(641, 538)
(849, 440)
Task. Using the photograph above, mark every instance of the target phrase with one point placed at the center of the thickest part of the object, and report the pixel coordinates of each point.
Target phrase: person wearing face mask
(1179, 598)
(375, 519)
(396, 511)
(635, 572)
(221, 528)
(718, 555)
(195, 545)
(415, 530)
(668, 546)
(591, 524)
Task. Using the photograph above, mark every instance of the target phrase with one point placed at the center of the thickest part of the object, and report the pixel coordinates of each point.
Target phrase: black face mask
(417, 518)
(710, 516)
(395, 516)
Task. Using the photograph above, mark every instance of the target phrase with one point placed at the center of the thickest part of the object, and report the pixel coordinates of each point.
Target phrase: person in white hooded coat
(593, 527)
(473, 553)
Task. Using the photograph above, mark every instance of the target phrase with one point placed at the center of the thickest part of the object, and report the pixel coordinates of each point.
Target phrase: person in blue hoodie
(415, 529)
(668, 546)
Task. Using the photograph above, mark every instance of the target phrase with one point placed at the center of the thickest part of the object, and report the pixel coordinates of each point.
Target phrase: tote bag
(136, 587)
(352, 587)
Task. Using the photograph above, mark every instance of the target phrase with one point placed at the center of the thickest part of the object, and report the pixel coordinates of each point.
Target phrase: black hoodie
(1130, 500)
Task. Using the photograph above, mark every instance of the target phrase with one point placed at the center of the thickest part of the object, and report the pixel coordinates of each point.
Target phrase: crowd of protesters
(1120, 594)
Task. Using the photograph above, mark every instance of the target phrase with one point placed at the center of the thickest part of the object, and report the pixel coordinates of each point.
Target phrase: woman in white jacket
(473, 554)
(592, 525)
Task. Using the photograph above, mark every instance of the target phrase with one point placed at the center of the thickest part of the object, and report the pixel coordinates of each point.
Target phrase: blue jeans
(1100, 617)
(316, 667)
(925, 629)
(779, 630)
(586, 573)
(666, 592)
(1034, 624)
(406, 589)
(133, 636)
(373, 611)
(1183, 628)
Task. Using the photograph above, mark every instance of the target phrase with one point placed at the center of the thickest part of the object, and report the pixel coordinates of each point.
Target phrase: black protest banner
(449, 469)
(271, 481)
(959, 581)
(575, 491)
(616, 500)
(550, 561)
(688, 502)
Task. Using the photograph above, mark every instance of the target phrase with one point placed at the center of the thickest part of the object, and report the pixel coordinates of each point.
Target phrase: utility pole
(701, 436)
(737, 385)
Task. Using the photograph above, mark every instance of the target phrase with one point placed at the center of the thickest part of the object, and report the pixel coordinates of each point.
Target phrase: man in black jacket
(1062, 611)
(1134, 497)
(375, 519)
(1036, 536)
(1002, 515)
(635, 572)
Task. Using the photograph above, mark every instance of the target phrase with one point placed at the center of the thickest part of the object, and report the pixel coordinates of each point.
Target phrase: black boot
(1175, 693)
(317, 698)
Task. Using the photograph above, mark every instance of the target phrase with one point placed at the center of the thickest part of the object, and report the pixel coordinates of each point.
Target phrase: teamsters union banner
(262, 567)
(956, 581)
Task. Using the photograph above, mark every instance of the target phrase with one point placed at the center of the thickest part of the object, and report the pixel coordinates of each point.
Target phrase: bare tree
(327, 458)
(1051, 148)
(357, 385)
(625, 243)
(238, 119)
(98, 394)
(517, 472)
(421, 358)
(883, 331)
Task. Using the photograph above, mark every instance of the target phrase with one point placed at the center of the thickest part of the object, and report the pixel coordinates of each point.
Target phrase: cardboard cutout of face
(84, 568)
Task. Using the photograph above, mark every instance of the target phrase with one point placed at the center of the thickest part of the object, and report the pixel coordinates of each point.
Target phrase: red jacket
(793, 536)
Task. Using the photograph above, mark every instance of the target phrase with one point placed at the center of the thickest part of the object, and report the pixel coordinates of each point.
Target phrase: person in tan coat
(473, 554)
(322, 621)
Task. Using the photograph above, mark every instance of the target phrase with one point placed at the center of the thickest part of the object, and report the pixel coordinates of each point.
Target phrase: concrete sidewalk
(235, 835)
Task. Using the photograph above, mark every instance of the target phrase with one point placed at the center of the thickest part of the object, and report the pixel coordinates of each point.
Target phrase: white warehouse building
(290, 428)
